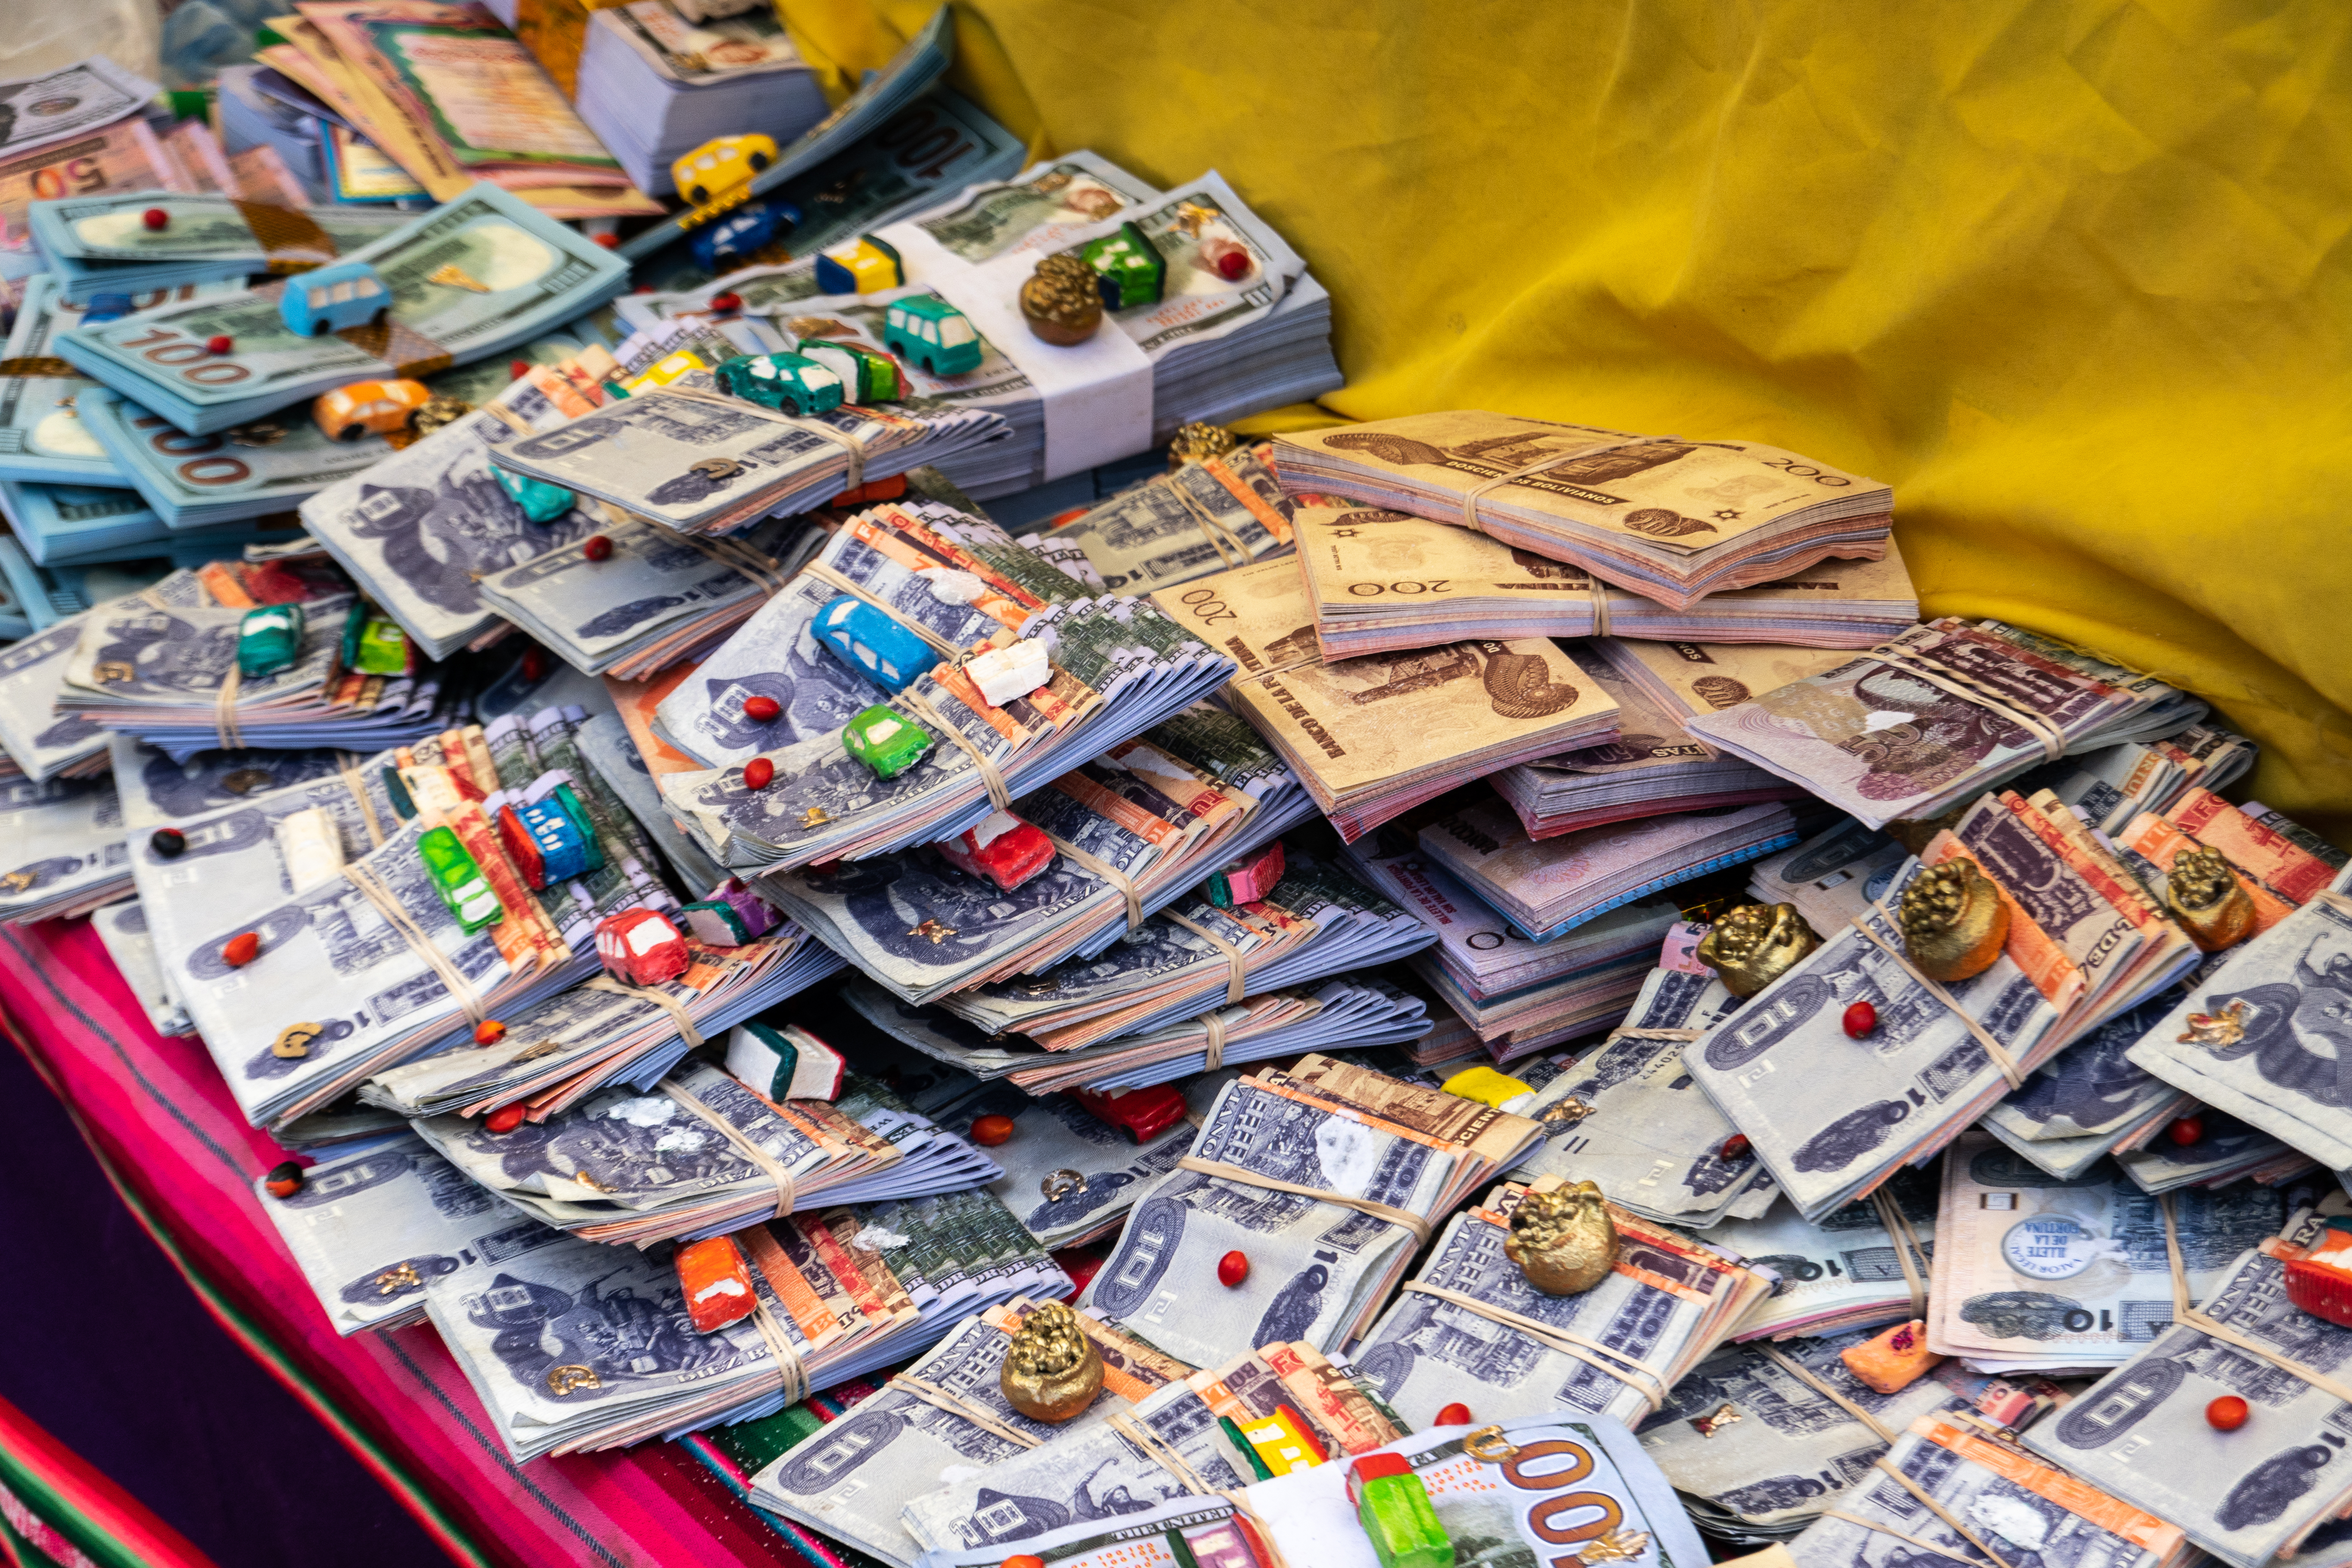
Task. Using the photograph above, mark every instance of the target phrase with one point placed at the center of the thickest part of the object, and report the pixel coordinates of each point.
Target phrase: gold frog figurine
(1562, 1239)
(1756, 944)
(1051, 1371)
(1062, 300)
(1954, 922)
(1198, 442)
(2206, 897)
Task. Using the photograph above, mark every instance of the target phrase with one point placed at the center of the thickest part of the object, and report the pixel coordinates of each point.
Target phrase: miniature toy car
(716, 1283)
(1392, 1506)
(784, 1063)
(1128, 268)
(368, 408)
(640, 947)
(540, 501)
(268, 639)
(886, 742)
(551, 839)
(459, 880)
(928, 332)
(331, 299)
(792, 382)
(721, 166)
(742, 233)
(1002, 848)
(731, 916)
(107, 306)
(1013, 670)
(664, 371)
(859, 266)
(1142, 1114)
(871, 642)
(1248, 878)
(868, 375)
(375, 643)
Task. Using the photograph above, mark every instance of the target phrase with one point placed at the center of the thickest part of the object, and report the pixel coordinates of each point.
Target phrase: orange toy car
(368, 408)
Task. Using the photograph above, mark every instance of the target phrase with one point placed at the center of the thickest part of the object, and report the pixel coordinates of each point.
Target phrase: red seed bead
(534, 664)
(283, 1180)
(1860, 1020)
(1234, 265)
(2187, 1130)
(759, 774)
(241, 950)
(2227, 1414)
(990, 1131)
(518, 368)
(505, 1118)
(168, 842)
(489, 1032)
(219, 343)
(608, 239)
(1454, 1416)
(597, 547)
(762, 709)
(155, 218)
(1022, 1560)
(1734, 1148)
(729, 301)
(1233, 1269)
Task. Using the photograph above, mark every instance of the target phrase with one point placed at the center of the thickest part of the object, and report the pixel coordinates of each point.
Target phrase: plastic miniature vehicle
(731, 916)
(859, 266)
(1128, 268)
(784, 1063)
(715, 1282)
(792, 382)
(1392, 1506)
(741, 232)
(640, 947)
(1485, 1086)
(459, 880)
(928, 332)
(375, 643)
(1142, 1114)
(1002, 848)
(1013, 670)
(662, 372)
(551, 839)
(871, 642)
(886, 742)
(268, 639)
(540, 501)
(722, 167)
(368, 408)
(870, 376)
(1248, 878)
(331, 299)
(107, 306)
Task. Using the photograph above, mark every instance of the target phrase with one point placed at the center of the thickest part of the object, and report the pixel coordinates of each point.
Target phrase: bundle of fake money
(41, 434)
(1830, 877)
(2090, 1100)
(2115, 784)
(1373, 737)
(1855, 1267)
(1204, 518)
(62, 842)
(1382, 580)
(1517, 995)
(1673, 520)
(42, 742)
(106, 242)
(122, 928)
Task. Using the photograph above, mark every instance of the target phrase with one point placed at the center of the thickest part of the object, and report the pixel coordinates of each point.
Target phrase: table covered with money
(770, 822)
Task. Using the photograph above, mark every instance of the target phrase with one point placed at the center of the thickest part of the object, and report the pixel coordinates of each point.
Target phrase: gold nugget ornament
(1954, 922)
(1061, 302)
(1756, 944)
(1562, 1239)
(1199, 442)
(1051, 1371)
(2205, 896)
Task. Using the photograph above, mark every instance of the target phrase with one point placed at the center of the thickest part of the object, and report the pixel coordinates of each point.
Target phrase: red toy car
(1142, 1113)
(641, 947)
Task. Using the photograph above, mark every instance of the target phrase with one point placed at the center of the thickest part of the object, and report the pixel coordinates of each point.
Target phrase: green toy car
(459, 880)
(793, 383)
(1128, 268)
(871, 376)
(928, 332)
(268, 639)
(885, 741)
(375, 644)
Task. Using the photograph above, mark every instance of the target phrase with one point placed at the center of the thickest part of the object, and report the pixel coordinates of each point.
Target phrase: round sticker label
(2049, 1246)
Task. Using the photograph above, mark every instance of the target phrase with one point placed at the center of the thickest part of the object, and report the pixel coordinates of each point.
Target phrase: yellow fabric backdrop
(2070, 274)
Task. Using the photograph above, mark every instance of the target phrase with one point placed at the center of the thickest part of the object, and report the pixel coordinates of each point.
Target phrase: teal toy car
(928, 332)
(871, 376)
(459, 880)
(1128, 268)
(793, 383)
(329, 299)
(540, 501)
(268, 639)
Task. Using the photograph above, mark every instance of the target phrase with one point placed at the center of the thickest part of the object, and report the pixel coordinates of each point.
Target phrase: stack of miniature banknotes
(733, 925)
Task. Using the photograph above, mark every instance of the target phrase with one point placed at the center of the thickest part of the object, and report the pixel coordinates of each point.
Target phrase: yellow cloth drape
(2070, 274)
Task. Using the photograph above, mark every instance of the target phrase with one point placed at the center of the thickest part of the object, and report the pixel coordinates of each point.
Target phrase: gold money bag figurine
(1954, 922)
(1051, 1371)
(2206, 897)
(1062, 301)
(1198, 442)
(1564, 1241)
(1756, 944)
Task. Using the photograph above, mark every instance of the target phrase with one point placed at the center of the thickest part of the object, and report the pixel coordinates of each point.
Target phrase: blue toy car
(106, 307)
(742, 232)
(328, 300)
(871, 642)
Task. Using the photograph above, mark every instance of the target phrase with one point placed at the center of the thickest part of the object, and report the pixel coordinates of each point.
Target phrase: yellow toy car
(368, 408)
(722, 167)
(664, 372)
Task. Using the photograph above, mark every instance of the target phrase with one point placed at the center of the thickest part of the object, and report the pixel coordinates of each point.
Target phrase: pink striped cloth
(162, 1121)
